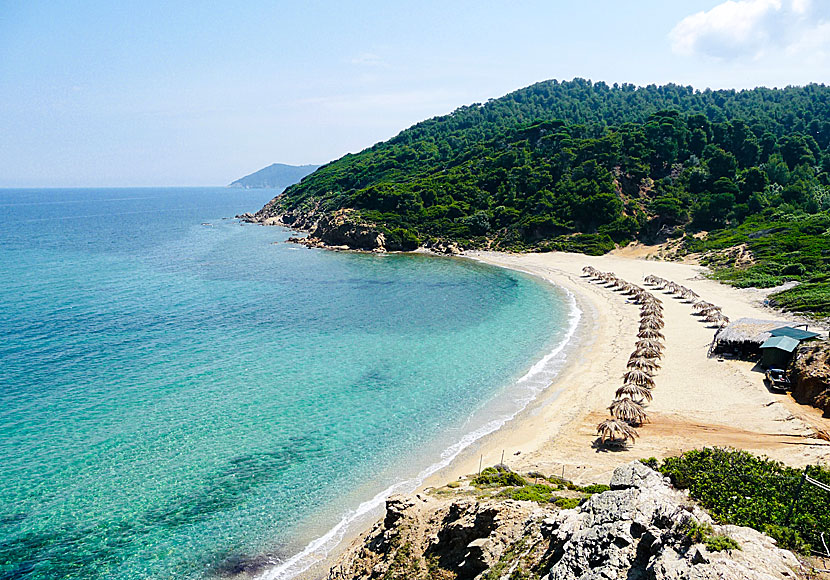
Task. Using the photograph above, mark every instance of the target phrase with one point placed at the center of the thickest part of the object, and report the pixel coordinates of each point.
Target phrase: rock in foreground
(641, 529)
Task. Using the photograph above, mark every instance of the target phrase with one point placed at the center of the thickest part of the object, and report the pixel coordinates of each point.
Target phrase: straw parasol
(651, 322)
(638, 377)
(589, 271)
(702, 305)
(645, 352)
(651, 308)
(629, 411)
(616, 431)
(642, 363)
(634, 391)
(649, 343)
(689, 294)
(650, 333)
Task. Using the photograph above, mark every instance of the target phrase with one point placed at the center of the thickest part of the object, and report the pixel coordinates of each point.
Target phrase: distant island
(275, 176)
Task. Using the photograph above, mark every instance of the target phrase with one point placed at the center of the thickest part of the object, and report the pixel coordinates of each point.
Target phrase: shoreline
(694, 405)
(310, 563)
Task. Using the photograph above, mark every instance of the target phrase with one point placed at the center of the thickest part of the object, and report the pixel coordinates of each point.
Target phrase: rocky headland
(342, 230)
(641, 528)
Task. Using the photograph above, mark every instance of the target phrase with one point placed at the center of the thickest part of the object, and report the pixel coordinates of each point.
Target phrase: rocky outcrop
(640, 529)
(338, 230)
(810, 373)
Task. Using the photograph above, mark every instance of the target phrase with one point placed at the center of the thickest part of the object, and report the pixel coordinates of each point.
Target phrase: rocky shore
(641, 528)
(341, 230)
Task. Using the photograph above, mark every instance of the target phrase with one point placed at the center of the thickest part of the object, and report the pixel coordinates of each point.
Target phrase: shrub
(787, 538)
(567, 503)
(720, 543)
(539, 493)
(595, 488)
(696, 532)
(742, 489)
(499, 476)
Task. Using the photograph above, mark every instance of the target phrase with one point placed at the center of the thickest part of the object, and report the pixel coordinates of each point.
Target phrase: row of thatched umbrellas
(627, 409)
(708, 311)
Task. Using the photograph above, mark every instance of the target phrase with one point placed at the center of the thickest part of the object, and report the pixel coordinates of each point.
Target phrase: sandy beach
(698, 401)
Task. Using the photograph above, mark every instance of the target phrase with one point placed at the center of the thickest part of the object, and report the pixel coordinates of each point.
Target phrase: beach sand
(698, 401)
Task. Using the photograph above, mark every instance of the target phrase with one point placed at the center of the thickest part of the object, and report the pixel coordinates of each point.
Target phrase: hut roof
(751, 330)
(795, 333)
(784, 343)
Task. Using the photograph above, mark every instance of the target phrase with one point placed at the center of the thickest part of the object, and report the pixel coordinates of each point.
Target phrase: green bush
(540, 493)
(720, 543)
(787, 538)
(567, 503)
(742, 489)
(696, 532)
(595, 488)
(499, 476)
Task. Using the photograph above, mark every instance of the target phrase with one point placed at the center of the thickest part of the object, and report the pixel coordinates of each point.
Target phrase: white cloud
(755, 29)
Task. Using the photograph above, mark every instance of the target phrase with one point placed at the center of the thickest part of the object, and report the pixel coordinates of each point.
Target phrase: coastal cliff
(640, 528)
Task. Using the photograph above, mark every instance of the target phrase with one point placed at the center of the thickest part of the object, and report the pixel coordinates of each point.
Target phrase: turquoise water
(182, 397)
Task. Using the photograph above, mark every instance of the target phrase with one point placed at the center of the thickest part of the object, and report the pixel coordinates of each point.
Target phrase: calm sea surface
(181, 396)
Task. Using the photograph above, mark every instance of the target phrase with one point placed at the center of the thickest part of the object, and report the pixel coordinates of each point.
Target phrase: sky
(152, 93)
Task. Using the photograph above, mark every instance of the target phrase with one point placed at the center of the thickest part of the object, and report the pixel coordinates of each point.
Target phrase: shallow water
(177, 392)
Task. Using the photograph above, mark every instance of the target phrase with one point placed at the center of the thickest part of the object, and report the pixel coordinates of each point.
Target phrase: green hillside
(580, 166)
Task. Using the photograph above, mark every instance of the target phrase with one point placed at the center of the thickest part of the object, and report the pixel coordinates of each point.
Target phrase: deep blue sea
(183, 395)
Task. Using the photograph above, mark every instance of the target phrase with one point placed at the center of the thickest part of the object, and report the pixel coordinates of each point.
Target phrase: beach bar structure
(778, 349)
(774, 341)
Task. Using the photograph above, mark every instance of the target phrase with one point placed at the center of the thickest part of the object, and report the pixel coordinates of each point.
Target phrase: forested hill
(580, 166)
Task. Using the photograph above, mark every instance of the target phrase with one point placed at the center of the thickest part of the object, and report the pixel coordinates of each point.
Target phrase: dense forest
(582, 166)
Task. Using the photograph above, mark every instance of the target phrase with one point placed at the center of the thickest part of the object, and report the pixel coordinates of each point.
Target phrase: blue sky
(200, 93)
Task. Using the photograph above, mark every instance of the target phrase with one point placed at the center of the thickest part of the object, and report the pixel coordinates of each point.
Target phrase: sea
(186, 396)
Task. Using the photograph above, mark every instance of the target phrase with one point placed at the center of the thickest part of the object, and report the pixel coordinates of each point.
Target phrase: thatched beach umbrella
(642, 363)
(647, 352)
(629, 411)
(634, 391)
(649, 343)
(589, 271)
(641, 297)
(638, 377)
(650, 333)
(672, 288)
(688, 294)
(651, 322)
(717, 318)
(702, 305)
(616, 431)
(651, 307)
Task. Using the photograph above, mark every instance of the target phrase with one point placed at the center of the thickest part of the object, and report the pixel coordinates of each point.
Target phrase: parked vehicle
(778, 380)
